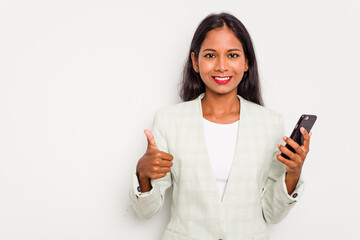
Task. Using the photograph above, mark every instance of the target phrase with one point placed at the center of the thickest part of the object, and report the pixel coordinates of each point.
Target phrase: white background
(81, 80)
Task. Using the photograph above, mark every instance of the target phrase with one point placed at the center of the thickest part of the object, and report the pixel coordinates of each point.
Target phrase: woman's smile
(222, 79)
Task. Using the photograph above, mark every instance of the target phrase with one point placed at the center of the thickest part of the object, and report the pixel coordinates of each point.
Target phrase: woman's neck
(221, 108)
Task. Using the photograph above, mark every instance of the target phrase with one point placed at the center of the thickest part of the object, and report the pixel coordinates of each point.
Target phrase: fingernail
(302, 129)
(278, 145)
(284, 138)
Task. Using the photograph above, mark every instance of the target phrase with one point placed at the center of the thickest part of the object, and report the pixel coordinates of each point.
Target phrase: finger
(295, 146)
(306, 142)
(285, 161)
(164, 170)
(157, 176)
(165, 163)
(158, 172)
(162, 163)
(287, 152)
(165, 156)
(151, 139)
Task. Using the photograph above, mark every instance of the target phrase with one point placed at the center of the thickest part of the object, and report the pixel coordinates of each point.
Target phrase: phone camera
(307, 118)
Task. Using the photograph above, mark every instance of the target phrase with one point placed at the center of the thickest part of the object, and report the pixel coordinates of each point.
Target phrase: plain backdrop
(81, 80)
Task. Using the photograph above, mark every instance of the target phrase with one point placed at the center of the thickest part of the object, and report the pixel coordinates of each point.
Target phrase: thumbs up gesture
(154, 163)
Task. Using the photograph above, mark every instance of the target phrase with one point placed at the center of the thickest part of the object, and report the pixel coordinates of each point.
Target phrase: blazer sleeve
(147, 205)
(276, 202)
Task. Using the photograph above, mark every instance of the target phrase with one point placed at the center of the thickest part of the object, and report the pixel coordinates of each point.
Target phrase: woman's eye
(232, 55)
(210, 55)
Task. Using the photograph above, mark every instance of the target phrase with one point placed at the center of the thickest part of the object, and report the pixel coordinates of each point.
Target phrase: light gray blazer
(255, 194)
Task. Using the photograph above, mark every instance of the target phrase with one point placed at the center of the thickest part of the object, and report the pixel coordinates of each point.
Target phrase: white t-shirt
(221, 144)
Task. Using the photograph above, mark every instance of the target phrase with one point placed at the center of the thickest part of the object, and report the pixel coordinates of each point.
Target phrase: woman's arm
(153, 174)
(276, 200)
(295, 163)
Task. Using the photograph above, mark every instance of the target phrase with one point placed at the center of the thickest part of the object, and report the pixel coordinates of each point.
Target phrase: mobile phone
(307, 121)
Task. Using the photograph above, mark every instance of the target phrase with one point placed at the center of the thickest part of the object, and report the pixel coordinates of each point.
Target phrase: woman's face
(221, 62)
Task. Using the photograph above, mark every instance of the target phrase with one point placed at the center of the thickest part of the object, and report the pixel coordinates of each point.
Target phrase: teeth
(222, 79)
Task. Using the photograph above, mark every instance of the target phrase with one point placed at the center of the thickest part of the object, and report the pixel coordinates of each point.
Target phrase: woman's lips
(222, 80)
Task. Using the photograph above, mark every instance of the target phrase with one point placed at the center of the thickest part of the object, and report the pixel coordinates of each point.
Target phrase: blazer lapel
(207, 168)
(237, 168)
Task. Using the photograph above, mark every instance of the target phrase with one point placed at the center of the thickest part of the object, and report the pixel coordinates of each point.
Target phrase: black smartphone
(307, 121)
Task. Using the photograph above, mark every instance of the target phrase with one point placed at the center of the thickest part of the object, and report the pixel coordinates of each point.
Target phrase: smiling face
(221, 61)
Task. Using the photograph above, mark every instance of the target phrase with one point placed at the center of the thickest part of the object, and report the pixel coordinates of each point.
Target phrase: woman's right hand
(153, 164)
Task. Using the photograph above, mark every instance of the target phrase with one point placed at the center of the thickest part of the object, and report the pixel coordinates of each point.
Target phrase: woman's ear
(246, 68)
(194, 62)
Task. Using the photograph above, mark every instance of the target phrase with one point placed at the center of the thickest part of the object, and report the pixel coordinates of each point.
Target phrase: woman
(219, 149)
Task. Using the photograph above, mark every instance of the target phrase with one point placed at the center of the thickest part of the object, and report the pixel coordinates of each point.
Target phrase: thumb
(151, 139)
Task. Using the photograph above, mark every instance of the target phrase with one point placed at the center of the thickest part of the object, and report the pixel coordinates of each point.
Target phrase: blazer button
(139, 189)
(294, 195)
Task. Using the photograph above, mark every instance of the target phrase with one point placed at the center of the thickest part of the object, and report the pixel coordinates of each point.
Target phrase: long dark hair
(192, 85)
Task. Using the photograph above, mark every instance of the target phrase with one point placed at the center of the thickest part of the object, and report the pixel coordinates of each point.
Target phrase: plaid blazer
(255, 194)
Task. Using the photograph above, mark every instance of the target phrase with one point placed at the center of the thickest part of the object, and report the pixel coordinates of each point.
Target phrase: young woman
(219, 149)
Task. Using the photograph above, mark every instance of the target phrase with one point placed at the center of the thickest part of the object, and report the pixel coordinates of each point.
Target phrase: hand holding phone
(307, 121)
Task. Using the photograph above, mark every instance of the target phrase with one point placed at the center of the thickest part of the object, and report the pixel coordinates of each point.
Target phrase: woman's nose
(221, 64)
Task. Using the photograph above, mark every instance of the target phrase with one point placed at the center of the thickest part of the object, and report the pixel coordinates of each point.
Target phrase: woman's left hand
(295, 163)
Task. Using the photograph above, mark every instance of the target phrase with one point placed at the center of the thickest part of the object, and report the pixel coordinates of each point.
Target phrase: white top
(221, 144)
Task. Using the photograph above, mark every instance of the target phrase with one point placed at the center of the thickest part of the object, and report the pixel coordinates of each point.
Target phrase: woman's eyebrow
(208, 49)
(234, 49)
(230, 50)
